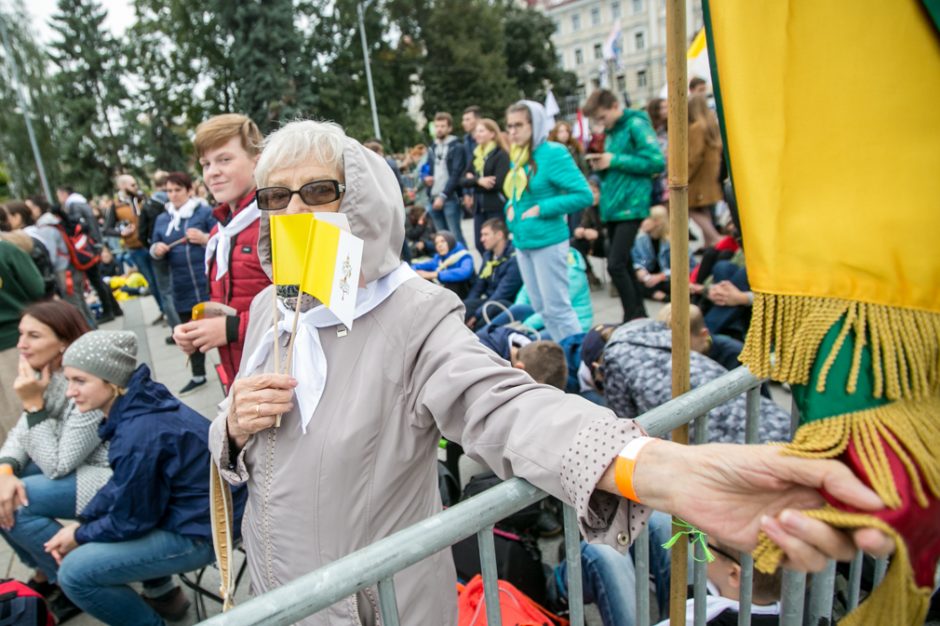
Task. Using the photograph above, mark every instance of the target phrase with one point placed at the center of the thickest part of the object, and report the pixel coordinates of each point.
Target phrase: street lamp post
(24, 106)
(368, 64)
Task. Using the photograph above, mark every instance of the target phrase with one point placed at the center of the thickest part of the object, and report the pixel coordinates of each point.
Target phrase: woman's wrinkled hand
(256, 403)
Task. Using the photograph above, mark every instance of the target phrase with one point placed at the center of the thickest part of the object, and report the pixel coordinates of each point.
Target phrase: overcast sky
(120, 16)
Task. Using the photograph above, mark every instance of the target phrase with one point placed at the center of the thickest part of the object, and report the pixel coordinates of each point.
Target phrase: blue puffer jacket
(187, 261)
(459, 265)
(159, 452)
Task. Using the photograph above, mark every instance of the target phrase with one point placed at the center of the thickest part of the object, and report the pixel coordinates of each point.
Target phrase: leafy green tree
(341, 80)
(466, 62)
(90, 96)
(34, 66)
(530, 54)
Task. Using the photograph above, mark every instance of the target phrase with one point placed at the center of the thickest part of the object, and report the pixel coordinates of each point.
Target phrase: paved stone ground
(169, 367)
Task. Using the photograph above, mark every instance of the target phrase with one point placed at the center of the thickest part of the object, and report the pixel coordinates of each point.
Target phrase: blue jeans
(140, 257)
(448, 218)
(545, 274)
(36, 524)
(609, 578)
(95, 576)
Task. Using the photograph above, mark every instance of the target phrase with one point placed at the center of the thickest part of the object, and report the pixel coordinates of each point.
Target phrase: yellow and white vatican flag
(317, 252)
(333, 264)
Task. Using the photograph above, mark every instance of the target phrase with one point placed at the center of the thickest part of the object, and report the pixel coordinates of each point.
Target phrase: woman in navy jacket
(177, 235)
(151, 520)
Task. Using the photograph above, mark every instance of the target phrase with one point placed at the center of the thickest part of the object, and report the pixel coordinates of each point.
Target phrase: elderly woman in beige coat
(353, 459)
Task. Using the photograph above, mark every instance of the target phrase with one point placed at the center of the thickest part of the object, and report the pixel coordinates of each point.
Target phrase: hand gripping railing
(378, 562)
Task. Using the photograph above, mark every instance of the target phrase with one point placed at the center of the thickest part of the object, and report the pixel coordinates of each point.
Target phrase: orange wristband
(6, 469)
(625, 466)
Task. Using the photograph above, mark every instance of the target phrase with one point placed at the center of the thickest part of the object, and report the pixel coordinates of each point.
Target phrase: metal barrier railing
(377, 563)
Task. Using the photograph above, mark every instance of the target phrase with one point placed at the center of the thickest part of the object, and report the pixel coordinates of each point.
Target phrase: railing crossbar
(346, 576)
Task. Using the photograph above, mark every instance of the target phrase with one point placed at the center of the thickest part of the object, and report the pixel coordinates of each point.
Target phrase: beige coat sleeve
(559, 442)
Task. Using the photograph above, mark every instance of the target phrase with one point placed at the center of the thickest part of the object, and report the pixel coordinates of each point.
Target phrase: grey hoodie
(408, 372)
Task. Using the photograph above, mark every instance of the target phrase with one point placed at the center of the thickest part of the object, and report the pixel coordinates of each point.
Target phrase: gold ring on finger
(258, 410)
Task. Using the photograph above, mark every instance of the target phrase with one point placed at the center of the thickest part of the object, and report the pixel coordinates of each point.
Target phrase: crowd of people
(491, 344)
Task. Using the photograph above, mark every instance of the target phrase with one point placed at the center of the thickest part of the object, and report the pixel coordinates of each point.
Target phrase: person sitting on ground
(584, 354)
(637, 374)
(730, 298)
(52, 462)
(151, 519)
(588, 236)
(109, 265)
(451, 266)
(179, 235)
(651, 255)
(419, 233)
(499, 280)
(578, 291)
(722, 603)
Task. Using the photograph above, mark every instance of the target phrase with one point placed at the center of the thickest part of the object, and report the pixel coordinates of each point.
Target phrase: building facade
(582, 31)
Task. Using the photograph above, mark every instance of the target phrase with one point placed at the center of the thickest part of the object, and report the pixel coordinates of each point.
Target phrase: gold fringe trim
(910, 428)
(786, 333)
(897, 600)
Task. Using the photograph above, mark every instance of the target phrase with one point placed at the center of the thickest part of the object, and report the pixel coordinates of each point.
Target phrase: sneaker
(159, 321)
(169, 341)
(62, 608)
(548, 525)
(192, 386)
(170, 606)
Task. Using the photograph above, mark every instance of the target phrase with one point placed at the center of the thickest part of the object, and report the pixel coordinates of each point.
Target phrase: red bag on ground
(516, 608)
(23, 606)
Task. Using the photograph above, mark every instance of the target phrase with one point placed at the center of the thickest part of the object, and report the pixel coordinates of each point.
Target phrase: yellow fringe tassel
(910, 428)
(897, 600)
(786, 332)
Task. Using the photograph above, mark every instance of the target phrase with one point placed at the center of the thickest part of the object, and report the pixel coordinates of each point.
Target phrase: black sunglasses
(314, 193)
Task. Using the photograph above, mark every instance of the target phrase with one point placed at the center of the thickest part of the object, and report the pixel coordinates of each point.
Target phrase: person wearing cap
(151, 519)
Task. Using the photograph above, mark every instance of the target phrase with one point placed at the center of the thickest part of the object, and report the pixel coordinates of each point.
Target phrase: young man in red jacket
(228, 147)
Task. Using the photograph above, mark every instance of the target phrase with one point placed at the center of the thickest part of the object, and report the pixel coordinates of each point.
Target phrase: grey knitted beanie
(108, 354)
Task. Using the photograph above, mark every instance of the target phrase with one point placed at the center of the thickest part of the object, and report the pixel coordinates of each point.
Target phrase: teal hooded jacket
(626, 186)
(556, 185)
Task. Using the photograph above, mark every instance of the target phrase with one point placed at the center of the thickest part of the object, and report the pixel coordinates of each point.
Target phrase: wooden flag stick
(678, 86)
(277, 343)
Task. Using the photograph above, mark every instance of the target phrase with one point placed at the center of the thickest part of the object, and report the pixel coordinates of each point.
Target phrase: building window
(595, 16)
(641, 78)
(639, 40)
(582, 92)
(615, 9)
(637, 7)
(560, 60)
(576, 22)
(557, 23)
(598, 51)
(578, 56)
(621, 83)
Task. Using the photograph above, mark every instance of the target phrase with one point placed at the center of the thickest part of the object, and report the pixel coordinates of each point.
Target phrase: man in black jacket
(499, 280)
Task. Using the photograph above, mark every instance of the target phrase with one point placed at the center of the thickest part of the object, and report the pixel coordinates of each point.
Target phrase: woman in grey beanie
(151, 520)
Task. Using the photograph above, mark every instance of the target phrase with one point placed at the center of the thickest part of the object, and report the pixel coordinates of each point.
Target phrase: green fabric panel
(933, 10)
(836, 400)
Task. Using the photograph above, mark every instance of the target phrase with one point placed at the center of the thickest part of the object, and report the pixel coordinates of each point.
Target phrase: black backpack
(43, 263)
(524, 522)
